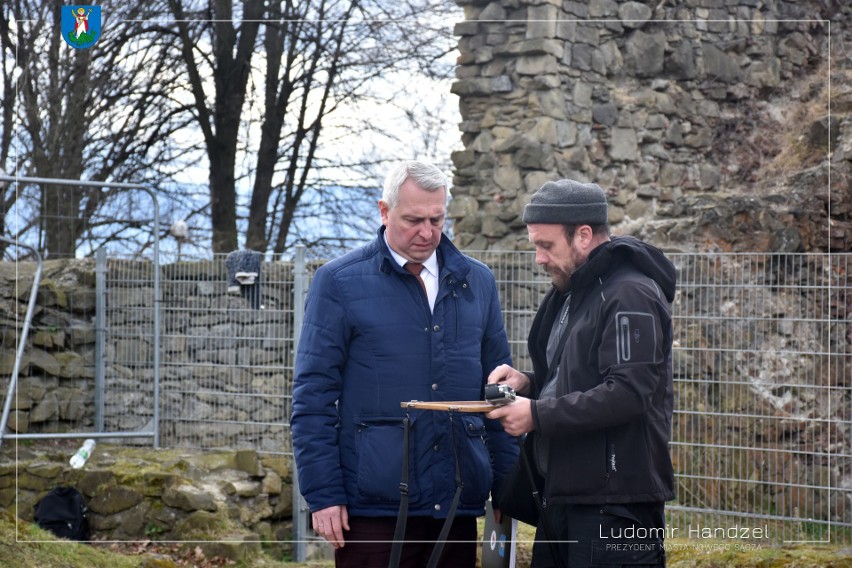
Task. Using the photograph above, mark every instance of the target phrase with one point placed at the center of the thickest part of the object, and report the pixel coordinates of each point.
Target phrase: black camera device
(499, 394)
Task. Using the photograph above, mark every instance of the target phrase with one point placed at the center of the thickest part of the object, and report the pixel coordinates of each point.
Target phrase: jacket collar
(450, 259)
(621, 250)
(430, 264)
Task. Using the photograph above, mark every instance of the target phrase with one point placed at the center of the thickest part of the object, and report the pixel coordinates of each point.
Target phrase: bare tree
(103, 114)
(7, 109)
(281, 73)
(267, 97)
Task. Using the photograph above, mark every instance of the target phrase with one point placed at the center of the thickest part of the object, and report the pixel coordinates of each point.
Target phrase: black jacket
(610, 423)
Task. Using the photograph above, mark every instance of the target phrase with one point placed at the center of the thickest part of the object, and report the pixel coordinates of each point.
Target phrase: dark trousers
(369, 542)
(603, 535)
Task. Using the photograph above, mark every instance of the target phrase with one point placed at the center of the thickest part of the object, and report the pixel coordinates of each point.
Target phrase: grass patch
(24, 545)
(20, 547)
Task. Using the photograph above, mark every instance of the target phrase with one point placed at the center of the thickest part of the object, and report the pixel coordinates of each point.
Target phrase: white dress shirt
(429, 274)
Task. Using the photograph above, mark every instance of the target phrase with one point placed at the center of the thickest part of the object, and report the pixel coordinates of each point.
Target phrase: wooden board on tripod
(451, 405)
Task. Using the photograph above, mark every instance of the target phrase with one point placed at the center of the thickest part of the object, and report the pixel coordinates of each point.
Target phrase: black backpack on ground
(63, 512)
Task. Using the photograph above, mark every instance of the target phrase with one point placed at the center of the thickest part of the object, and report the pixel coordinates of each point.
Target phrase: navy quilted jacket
(369, 342)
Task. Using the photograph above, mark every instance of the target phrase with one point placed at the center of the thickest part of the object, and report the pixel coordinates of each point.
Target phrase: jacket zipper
(456, 307)
(451, 283)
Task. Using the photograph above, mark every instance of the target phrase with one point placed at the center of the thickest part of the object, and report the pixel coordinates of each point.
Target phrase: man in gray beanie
(567, 202)
(598, 401)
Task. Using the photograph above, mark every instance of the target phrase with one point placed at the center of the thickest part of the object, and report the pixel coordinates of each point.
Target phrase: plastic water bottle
(79, 459)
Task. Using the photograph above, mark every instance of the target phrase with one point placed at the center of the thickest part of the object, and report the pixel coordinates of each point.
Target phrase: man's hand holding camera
(516, 416)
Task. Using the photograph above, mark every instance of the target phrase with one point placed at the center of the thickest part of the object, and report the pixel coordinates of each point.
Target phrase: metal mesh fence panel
(521, 286)
(127, 397)
(762, 424)
(227, 357)
(762, 421)
(763, 408)
(225, 360)
(60, 390)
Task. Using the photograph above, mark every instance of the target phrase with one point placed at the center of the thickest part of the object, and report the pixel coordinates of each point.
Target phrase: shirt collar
(430, 264)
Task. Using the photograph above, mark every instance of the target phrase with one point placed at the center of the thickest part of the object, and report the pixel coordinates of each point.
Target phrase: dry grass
(798, 149)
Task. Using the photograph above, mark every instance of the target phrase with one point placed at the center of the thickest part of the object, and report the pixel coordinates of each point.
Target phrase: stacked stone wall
(56, 374)
(706, 121)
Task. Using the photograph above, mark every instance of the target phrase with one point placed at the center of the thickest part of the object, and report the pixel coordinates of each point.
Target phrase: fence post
(300, 509)
(158, 306)
(100, 330)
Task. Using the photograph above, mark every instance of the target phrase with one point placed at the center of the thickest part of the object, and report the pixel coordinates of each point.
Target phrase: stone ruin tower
(706, 121)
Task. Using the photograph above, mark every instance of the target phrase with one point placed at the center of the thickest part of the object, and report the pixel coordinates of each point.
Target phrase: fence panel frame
(99, 433)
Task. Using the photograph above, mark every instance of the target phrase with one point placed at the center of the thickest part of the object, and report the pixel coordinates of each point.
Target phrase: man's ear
(383, 211)
(584, 236)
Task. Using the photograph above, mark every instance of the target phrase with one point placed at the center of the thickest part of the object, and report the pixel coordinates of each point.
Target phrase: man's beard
(560, 279)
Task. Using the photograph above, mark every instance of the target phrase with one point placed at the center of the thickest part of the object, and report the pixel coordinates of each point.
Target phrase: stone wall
(56, 374)
(706, 121)
(229, 503)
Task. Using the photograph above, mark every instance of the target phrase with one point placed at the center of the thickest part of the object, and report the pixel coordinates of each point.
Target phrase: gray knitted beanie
(567, 202)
